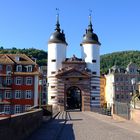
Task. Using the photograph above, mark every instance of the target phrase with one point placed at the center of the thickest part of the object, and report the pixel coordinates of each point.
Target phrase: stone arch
(73, 98)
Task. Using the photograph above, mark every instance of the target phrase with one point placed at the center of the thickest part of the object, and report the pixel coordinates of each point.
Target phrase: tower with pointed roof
(56, 54)
(74, 83)
(90, 53)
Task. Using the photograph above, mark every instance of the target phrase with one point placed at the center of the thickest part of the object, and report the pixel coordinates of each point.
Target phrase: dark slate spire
(90, 37)
(58, 36)
(57, 23)
(90, 24)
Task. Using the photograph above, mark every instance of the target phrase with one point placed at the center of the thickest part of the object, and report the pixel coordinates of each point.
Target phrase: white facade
(119, 84)
(56, 54)
(109, 90)
(91, 55)
(36, 82)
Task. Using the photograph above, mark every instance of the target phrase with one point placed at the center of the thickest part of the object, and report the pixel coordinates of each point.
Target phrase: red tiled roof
(11, 59)
(4, 59)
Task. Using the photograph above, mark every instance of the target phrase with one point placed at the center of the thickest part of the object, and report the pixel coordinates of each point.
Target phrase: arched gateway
(73, 98)
(67, 76)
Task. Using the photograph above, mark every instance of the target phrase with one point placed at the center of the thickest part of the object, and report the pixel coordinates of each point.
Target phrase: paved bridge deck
(86, 126)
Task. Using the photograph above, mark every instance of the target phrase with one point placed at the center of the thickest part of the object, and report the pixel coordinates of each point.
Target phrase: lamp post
(47, 93)
(133, 82)
(40, 93)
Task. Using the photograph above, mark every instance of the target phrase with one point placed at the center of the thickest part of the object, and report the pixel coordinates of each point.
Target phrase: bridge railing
(20, 126)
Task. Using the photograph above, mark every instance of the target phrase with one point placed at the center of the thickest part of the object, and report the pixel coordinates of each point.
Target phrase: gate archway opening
(73, 98)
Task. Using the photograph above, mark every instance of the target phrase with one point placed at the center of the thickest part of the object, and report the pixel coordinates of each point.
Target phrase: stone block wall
(20, 126)
(135, 115)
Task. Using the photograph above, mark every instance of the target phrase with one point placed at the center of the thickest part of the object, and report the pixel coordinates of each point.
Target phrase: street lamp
(40, 94)
(133, 82)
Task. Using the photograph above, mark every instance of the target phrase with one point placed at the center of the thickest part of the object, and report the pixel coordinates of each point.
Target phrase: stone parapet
(135, 115)
(20, 126)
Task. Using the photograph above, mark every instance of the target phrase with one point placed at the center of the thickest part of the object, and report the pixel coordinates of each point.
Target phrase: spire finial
(57, 20)
(90, 12)
(57, 15)
(90, 23)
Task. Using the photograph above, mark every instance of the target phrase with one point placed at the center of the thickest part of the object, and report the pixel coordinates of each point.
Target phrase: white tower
(90, 47)
(56, 55)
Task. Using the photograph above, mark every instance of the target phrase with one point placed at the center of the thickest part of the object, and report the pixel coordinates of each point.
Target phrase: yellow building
(102, 91)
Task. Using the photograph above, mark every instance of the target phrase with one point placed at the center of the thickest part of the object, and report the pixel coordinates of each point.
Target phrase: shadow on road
(56, 129)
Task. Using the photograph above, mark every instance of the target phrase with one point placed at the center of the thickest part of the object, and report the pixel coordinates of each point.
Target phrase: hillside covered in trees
(121, 59)
(40, 55)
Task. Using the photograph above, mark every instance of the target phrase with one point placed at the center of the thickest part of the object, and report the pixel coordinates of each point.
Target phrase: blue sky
(29, 23)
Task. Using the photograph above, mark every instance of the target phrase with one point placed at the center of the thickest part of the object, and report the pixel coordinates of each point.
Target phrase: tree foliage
(40, 55)
(121, 59)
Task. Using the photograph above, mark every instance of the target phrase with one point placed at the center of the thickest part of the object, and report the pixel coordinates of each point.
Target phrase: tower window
(92, 98)
(52, 97)
(80, 79)
(53, 72)
(94, 72)
(117, 96)
(52, 86)
(93, 61)
(93, 87)
(53, 60)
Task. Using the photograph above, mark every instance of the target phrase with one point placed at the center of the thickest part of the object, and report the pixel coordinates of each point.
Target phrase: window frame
(7, 109)
(28, 94)
(17, 81)
(27, 107)
(29, 79)
(18, 92)
(7, 94)
(8, 80)
(19, 68)
(17, 109)
(29, 68)
(8, 68)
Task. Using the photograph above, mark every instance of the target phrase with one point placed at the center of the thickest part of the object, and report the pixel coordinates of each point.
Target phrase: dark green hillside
(40, 55)
(107, 61)
(119, 58)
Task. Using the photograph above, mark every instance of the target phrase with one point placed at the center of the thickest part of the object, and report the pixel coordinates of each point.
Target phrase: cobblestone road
(86, 126)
